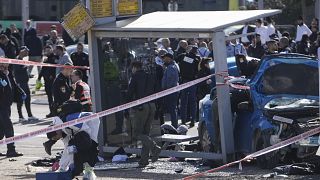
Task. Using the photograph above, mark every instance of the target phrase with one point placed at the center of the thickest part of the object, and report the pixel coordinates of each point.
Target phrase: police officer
(81, 91)
(7, 88)
(61, 86)
(142, 114)
(81, 58)
(49, 74)
(188, 72)
(61, 93)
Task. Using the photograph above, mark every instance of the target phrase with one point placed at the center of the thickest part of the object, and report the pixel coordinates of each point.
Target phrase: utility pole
(25, 15)
(260, 5)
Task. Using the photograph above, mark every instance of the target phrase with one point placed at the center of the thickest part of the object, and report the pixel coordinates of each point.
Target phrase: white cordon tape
(261, 152)
(31, 63)
(104, 113)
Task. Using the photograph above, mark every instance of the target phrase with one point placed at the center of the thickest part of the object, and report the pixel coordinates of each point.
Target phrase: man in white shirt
(262, 30)
(302, 29)
(270, 28)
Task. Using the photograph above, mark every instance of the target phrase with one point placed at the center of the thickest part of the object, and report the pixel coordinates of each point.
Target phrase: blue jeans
(188, 99)
(170, 106)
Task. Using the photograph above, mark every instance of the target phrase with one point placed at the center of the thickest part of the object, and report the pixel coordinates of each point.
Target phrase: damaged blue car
(276, 101)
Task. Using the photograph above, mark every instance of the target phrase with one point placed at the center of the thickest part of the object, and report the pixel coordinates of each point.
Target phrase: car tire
(269, 160)
(205, 140)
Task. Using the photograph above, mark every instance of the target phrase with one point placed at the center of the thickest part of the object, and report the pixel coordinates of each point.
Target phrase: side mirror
(245, 106)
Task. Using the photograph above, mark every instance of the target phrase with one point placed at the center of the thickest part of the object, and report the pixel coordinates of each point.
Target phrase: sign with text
(77, 21)
(128, 7)
(101, 8)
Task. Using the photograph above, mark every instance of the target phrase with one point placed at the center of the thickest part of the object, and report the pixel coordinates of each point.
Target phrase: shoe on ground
(32, 118)
(155, 154)
(49, 115)
(11, 154)
(22, 119)
(143, 164)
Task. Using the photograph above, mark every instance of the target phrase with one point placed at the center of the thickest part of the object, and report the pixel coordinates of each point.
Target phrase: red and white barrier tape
(104, 113)
(31, 63)
(269, 149)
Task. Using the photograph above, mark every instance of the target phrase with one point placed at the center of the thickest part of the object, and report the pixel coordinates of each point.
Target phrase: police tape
(105, 112)
(31, 63)
(261, 152)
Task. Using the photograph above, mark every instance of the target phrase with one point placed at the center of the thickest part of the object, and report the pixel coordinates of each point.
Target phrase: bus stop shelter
(184, 25)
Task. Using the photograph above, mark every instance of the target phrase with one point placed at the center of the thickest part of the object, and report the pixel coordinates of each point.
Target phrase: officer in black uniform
(61, 86)
(188, 64)
(49, 74)
(81, 58)
(62, 91)
(8, 87)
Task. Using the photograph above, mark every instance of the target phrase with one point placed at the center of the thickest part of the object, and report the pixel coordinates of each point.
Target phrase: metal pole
(260, 5)
(94, 82)
(224, 104)
(25, 15)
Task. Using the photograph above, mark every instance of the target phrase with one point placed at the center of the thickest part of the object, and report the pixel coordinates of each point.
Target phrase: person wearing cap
(21, 76)
(159, 67)
(302, 29)
(143, 114)
(64, 57)
(8, 88)
(61, 87)
(170, 79)
(272, 47)
(188, 72)
(33, 42)
(284, 45)
(292, 43)
(262, 30)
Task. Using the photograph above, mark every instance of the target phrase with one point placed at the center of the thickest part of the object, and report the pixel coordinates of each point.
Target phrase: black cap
(168, 55)
(274, 37)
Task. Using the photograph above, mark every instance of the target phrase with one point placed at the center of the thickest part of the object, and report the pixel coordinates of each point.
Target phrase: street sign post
(77, 21)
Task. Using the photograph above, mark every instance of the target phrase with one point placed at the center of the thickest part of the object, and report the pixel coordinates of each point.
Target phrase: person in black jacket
(8, 46)
(188, 64)
(204, 87)
(81, 58)
(21, 76)
(256, 48)
(303, 47)
(142, 114)
(33, 42)
(8, 87)
(49, 74)
(13, 39)
(61, 87)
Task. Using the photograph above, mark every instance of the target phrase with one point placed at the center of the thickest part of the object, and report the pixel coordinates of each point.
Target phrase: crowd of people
(61, 84)
(189, 61)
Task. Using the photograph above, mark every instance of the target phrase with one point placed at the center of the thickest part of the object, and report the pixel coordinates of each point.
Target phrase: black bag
(69, 107)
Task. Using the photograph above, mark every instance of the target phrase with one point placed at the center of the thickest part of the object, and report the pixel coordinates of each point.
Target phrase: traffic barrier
(105, 112)
(260, 152)
(31, 63)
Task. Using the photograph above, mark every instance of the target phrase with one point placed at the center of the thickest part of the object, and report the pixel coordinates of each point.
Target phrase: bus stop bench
(172, 138)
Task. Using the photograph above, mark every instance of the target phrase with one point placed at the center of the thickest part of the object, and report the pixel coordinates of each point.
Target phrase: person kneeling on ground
(81, 143)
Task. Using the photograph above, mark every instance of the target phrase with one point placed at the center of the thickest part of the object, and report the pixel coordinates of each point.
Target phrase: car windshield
(295, 79)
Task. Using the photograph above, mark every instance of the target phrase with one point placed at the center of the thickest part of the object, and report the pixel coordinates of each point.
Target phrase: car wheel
(269, 160)
(205, 140)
